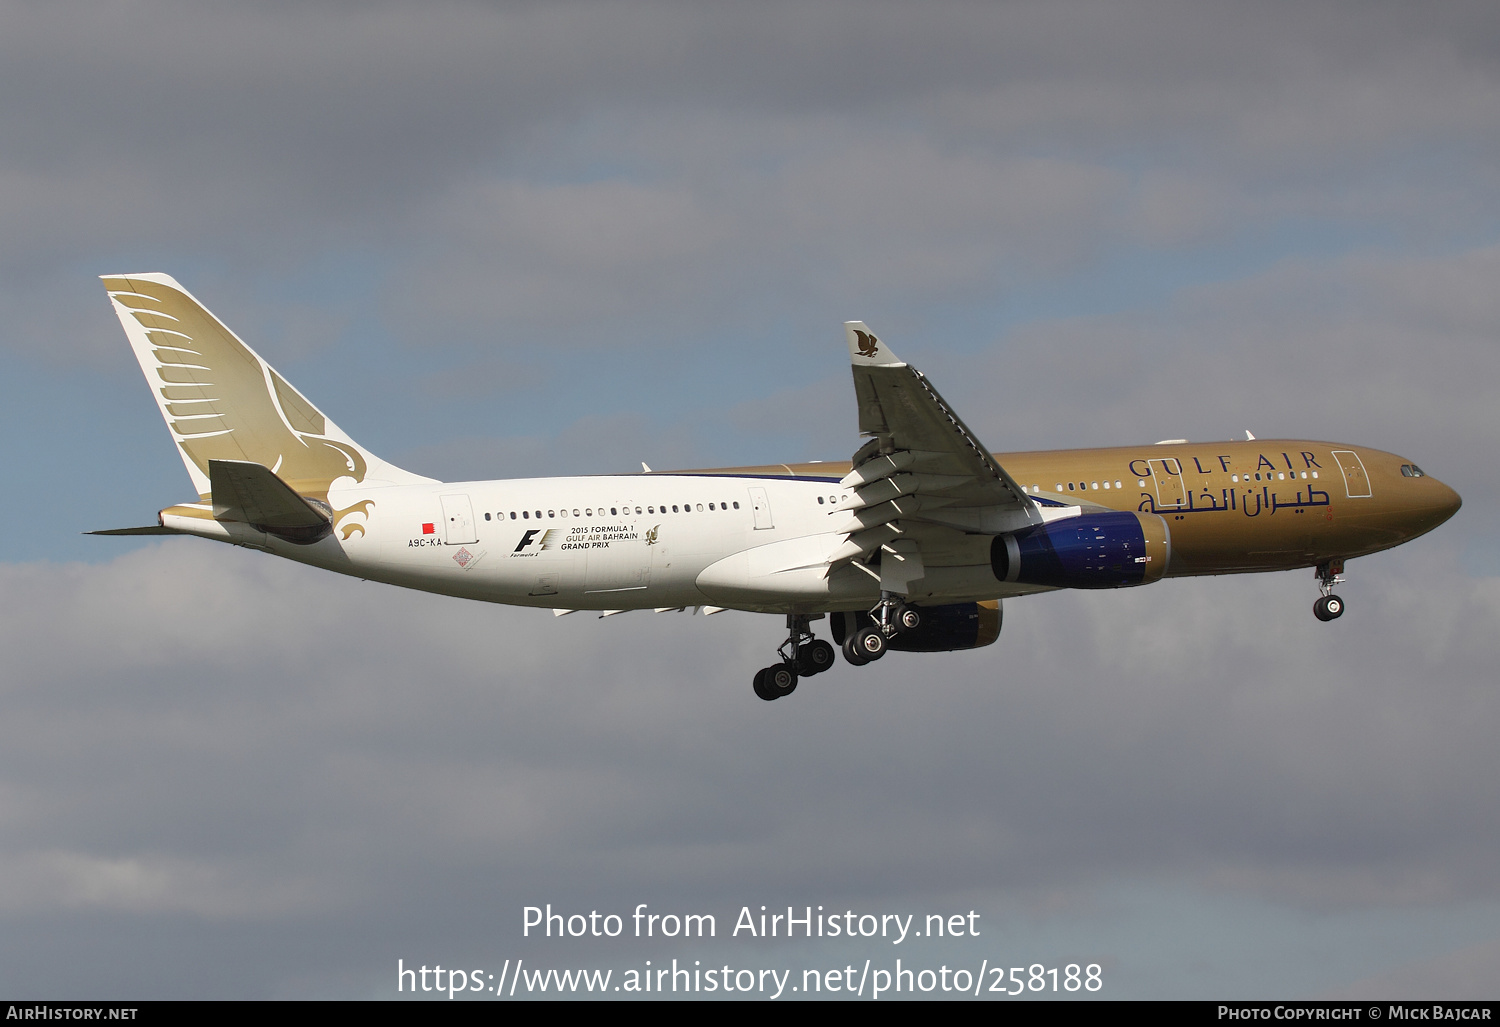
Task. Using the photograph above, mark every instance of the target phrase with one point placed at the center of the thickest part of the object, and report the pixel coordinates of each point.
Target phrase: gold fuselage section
(1233, 507)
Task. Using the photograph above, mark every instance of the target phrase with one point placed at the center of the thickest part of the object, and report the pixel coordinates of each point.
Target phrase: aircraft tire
(814, 658)
(869, 643)
(852, 654)
(781, 679)
(1328, 608)
(908, 618)
(761, 688)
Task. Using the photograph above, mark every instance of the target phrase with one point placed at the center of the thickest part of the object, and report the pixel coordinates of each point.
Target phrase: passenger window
(736, 506)
(613, 512)
(526, 514)
(486, 516)
(674, 507)
(512, 515)
(820, 498)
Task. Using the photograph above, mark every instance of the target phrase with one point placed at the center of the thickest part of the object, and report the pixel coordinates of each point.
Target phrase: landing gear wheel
(907, 618)
(869, 643)
(814, 658)
(852, 653)
(780, 679)
(761, 689)
(1329, 607)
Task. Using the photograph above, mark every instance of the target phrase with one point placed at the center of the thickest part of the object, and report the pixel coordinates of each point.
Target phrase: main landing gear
(887, 620)
(802, 655)
(1330, 606)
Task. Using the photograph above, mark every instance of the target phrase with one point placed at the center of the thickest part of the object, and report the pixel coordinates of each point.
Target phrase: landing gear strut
(894, 616)
(1329, 606)
(887, 619)
(802, 655)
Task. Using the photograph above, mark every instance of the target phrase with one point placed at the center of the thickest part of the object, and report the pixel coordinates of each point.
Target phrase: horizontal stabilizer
(249, 492)
(150, 529)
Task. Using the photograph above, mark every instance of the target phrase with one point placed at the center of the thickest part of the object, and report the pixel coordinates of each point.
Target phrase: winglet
(865, 350)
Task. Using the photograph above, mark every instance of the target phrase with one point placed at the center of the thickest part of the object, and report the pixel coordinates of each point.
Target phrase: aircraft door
(1167, 475)
(761, 507)
(458, 521)
(1356, 481)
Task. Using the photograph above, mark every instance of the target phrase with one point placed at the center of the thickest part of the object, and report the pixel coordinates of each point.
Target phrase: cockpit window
(1412, 471)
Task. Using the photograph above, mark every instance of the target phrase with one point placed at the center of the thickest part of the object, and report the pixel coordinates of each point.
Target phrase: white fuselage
(622, 542)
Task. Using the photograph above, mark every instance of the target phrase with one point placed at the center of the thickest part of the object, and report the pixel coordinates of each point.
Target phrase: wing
(923, 474)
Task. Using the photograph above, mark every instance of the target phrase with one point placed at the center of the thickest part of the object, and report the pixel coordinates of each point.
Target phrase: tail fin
(223, 402)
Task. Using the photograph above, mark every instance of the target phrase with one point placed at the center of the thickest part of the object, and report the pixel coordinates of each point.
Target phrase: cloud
(587, 170)
(232, 735)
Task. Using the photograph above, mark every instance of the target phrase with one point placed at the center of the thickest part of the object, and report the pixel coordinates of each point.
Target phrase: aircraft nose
(1446, 502)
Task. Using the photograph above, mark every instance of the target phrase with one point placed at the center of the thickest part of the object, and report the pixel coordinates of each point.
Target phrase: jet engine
(1096, 549)
(941, 629)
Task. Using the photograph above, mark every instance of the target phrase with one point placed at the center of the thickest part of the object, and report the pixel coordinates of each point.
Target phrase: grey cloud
(842, 151)
(591, 261)
(1466, 974)
(1379, 349)
(1207, 729)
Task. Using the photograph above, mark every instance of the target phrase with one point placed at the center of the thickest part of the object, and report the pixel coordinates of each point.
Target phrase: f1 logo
(531, 533)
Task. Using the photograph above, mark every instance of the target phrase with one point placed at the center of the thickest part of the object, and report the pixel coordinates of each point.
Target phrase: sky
(515, 239)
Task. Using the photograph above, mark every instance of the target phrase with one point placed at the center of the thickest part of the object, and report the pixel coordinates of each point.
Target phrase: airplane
(912, 545)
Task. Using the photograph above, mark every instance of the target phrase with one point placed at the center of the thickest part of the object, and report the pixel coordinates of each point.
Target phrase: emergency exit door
(458, 521)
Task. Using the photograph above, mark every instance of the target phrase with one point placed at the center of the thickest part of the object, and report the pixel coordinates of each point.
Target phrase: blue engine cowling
(942, 629)
(1096, 549)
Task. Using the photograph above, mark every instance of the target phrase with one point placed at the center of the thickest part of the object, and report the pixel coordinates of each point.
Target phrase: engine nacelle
(942, 629)
(1096, 549)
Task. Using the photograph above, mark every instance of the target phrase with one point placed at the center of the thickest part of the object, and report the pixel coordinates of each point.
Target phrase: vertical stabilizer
(221, 401)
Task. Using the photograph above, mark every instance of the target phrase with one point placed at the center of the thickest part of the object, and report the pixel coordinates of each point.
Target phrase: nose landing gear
(1329, 606)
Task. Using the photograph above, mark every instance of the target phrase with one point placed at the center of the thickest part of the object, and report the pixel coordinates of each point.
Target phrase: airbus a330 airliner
(911, 546)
